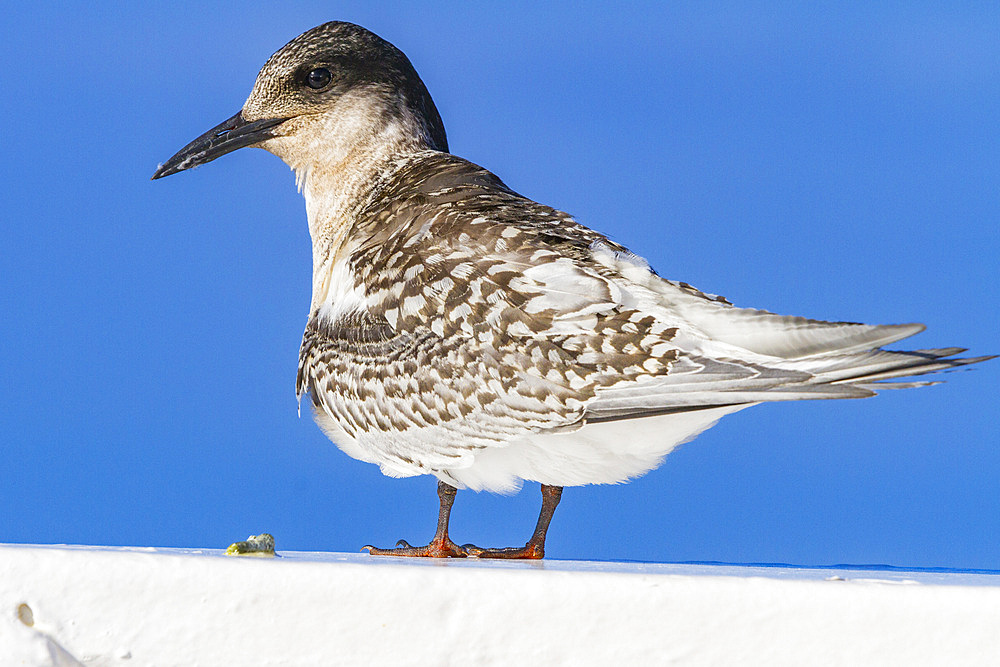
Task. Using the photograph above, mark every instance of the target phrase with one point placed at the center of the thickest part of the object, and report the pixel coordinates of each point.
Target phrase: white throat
(337, 156)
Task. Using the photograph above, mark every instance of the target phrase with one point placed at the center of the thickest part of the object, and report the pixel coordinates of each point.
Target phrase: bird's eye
(318, 78)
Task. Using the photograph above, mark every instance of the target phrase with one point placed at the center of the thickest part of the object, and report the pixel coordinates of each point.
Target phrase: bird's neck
(338, 164)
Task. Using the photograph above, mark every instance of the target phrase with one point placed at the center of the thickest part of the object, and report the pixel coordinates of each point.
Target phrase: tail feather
(882, 386)
(928, 365)
(857, 369)
(853, 367)
(782, 336)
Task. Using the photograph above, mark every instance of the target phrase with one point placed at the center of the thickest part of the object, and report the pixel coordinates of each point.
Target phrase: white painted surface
(104, 606)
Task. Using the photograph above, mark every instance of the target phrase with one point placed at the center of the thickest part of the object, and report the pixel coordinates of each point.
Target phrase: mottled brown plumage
(441, 249)
(461, 330)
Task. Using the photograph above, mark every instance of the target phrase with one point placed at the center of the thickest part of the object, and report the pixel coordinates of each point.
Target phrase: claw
(527, 552)
(436, 549)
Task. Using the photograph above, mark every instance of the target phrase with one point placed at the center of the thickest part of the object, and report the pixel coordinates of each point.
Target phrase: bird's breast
(337, 292)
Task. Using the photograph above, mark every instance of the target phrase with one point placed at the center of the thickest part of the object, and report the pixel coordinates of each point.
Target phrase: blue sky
(835, 163)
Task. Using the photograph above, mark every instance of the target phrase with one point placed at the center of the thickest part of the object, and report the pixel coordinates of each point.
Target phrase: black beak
(223, 138)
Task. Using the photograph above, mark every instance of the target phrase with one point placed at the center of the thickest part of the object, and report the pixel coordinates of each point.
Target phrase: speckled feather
(489, 318)
(456, 336)
(462, 330)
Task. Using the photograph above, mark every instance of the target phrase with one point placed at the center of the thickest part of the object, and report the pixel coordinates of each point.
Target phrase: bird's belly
(409, 451)
(599, 453)
(347, 444)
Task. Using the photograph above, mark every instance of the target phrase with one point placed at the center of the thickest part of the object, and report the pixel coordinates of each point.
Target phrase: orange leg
(440, 545)
(535, 548)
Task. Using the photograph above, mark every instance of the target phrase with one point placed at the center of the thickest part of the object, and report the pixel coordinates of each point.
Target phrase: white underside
(601, 453)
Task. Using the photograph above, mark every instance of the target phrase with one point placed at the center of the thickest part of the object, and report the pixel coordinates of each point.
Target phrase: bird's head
(329, 93)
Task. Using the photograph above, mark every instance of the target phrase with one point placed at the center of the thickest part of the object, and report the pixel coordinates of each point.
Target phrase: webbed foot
(528, 551)
(436, 549)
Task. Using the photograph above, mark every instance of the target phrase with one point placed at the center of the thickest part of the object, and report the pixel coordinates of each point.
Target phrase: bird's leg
(535, 548)
(440, 545)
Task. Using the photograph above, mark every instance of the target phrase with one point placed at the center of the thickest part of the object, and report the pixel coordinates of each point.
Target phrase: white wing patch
(563, 287)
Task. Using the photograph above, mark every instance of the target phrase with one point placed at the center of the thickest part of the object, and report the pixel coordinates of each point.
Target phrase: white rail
(162, 607)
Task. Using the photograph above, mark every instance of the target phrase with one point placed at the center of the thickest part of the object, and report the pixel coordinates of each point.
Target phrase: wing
(487, 316)
(414, 401)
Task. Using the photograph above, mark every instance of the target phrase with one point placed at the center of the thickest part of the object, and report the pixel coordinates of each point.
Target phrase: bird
(461, 330)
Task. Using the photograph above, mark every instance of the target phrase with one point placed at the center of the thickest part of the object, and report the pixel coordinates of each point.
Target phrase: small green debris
(256, 546)
(25, 615)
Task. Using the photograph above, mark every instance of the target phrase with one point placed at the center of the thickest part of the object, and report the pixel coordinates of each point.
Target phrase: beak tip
(224, 138)
(166, 169)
